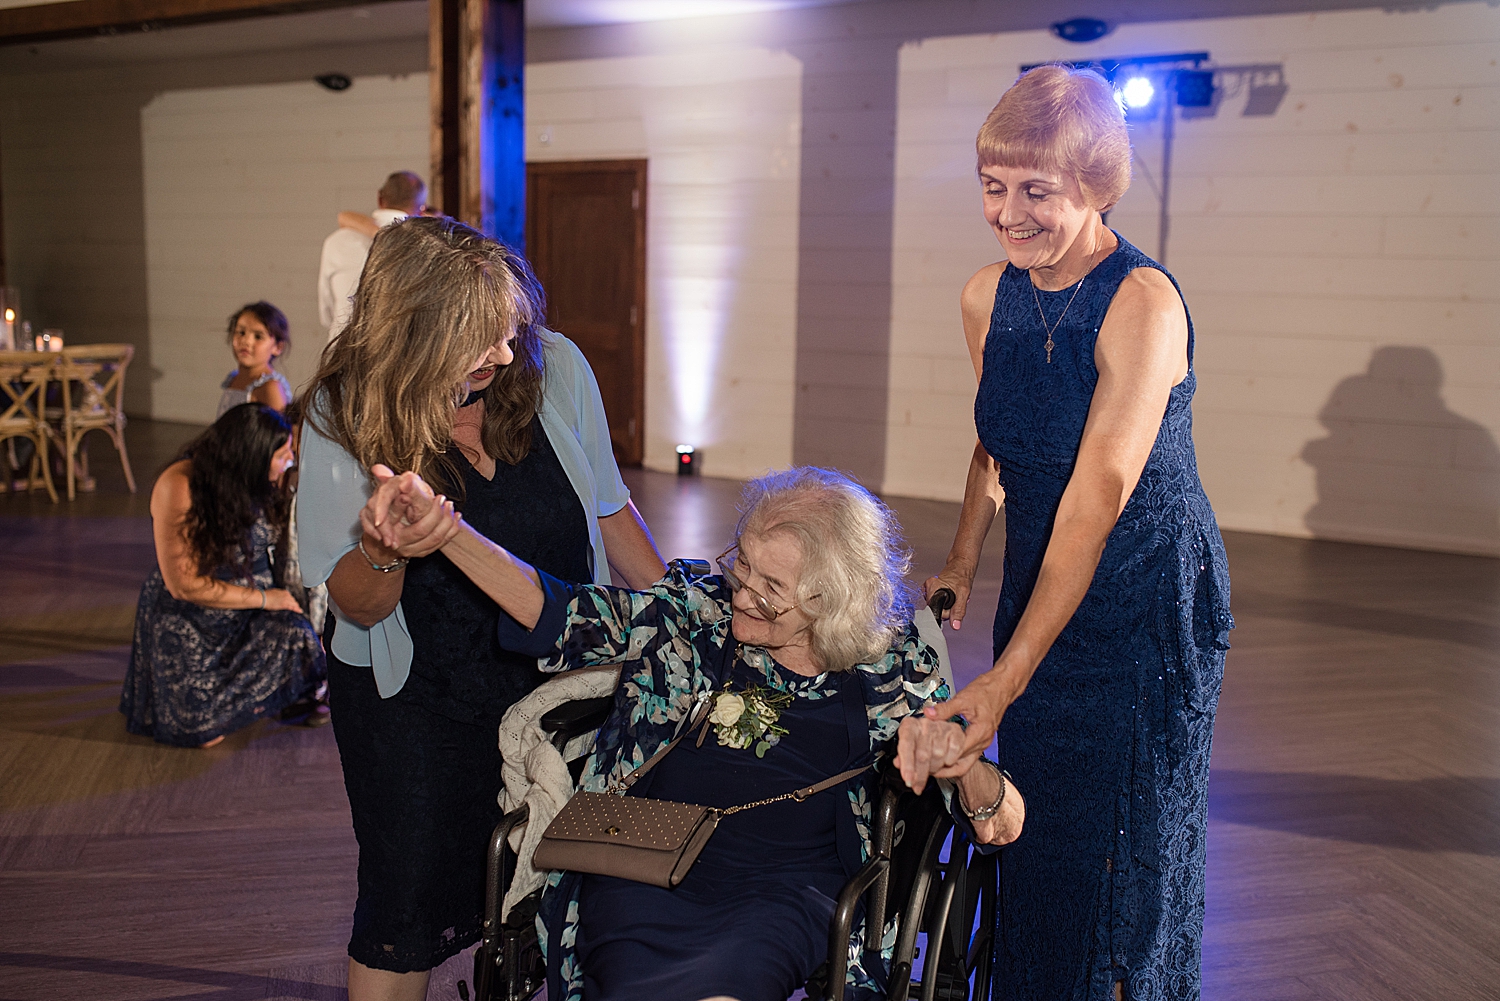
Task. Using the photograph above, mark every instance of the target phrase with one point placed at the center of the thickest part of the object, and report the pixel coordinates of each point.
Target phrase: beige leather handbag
(651, 841)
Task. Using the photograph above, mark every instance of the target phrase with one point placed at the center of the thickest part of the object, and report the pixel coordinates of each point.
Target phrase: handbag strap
(699, 715)
(798, 794)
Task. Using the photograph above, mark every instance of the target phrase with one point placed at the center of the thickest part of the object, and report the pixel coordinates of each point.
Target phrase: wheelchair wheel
(508, 965)
(953, 903)
(956, 902)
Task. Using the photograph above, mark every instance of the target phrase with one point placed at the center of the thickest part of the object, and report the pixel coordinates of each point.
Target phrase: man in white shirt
(344, 252)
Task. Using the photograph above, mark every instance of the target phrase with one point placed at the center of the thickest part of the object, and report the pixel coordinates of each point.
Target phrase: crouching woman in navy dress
(806, 647)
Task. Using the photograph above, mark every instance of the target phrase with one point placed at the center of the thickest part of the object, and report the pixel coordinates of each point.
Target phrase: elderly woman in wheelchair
(801, 662)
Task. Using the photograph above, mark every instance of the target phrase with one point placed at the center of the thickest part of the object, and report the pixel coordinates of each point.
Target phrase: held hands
(405, 516)
(939, 748)
(957, 579)
(982, 703)
(927, 748)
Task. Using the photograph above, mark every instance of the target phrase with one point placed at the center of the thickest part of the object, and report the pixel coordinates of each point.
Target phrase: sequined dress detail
(1112, 737)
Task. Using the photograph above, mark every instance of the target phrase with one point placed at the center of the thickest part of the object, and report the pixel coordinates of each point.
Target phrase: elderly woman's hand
(406, 516)
(982, 703)
(932, 748)
(927, 748)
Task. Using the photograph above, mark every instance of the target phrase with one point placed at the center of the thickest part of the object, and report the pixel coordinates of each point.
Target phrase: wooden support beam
(477, 50)
(2, 223)
(82, 18)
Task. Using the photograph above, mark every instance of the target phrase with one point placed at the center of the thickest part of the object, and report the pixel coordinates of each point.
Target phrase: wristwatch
(988, 812)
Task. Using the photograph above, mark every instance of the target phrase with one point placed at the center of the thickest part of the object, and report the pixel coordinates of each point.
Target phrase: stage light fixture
(1138, 92)
(334, 81)
(687, 460)
(1195, 88)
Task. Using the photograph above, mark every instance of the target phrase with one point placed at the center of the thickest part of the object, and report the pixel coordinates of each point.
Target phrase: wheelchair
(951, 902)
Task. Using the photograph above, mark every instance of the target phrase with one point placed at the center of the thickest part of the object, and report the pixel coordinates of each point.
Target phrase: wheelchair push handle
(942, 599)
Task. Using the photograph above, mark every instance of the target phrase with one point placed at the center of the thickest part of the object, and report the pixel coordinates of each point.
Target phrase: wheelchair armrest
(842, 926)
(576, 718)
(497, 868)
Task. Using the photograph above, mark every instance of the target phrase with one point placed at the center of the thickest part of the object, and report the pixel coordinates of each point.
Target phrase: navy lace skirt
(198, 673)
(423, 791)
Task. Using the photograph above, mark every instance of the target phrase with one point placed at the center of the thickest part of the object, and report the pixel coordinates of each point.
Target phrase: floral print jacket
(669, 639)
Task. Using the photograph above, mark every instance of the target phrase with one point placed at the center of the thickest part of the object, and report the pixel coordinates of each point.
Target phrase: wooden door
(586, 237)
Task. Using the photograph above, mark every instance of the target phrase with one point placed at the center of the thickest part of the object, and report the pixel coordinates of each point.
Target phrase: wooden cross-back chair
(93, 397)
(23, 389)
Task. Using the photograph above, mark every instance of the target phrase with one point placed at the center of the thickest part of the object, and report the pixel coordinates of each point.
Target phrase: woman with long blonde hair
(444, 370)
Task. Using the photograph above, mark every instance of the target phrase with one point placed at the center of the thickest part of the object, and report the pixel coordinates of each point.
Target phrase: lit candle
(8, 330)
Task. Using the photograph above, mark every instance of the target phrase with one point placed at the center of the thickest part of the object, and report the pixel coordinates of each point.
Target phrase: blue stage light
(1137, 92)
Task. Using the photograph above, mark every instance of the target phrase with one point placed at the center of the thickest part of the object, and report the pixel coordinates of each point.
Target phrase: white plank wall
(242, 184)
(720, 127)
(1339, 259)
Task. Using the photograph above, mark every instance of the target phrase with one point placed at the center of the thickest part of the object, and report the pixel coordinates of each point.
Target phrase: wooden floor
(1354, 845)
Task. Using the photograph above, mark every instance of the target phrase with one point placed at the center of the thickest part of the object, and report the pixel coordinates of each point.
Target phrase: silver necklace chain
(1038, 299)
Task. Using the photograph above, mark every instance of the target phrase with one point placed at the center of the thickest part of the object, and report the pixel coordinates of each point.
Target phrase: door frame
(638, 332)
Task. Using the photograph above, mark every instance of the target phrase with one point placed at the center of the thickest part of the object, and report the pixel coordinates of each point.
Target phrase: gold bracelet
(394, 565)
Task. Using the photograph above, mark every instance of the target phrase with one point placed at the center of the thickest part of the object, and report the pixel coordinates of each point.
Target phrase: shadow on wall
(1398, 466)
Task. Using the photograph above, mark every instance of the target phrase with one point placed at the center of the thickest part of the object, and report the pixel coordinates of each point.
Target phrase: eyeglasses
(763, 605)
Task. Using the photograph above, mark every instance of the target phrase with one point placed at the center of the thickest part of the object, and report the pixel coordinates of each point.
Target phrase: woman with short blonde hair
(443, 370)
(1113, 616)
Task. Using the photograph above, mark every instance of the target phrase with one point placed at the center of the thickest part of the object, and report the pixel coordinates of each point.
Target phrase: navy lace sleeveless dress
(1111, 739)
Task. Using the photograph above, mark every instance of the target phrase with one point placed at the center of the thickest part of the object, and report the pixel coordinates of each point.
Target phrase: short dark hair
(273, 319)
(403, 190)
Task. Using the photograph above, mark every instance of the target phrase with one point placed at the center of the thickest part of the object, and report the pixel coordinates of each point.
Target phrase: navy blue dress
(197, 673)
(764, 886)
(422, 768)
(1111, 738)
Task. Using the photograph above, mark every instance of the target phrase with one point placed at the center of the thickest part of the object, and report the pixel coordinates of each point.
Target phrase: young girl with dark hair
(217, 642)
(258, 335)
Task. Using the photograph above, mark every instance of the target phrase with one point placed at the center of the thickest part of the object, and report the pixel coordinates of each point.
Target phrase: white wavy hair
(854, 559)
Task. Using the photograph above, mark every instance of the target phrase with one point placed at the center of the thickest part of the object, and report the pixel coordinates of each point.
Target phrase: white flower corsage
(749, 717)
